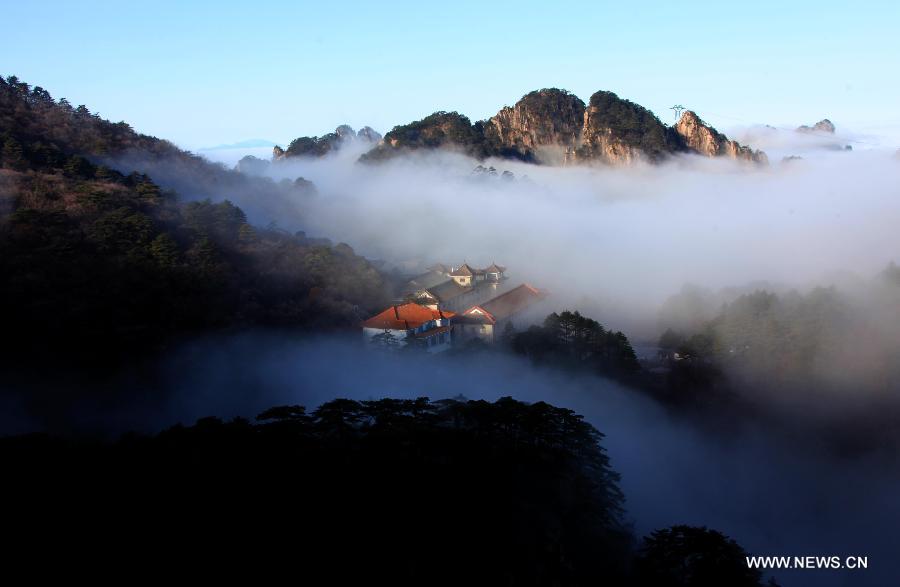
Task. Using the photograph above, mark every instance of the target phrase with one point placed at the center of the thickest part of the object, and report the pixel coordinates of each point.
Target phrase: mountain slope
(96, 261)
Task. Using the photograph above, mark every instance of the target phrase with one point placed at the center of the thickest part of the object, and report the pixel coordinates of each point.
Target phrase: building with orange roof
(484, 321)
(410, 323)
(461, 287)
(495, 273)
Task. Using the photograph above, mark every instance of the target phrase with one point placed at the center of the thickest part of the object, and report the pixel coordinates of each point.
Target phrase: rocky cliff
(543, 126)
(699, 137)
(619, 131)
(553, 126)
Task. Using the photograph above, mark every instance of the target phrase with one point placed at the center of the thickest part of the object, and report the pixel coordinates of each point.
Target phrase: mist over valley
(565, 340)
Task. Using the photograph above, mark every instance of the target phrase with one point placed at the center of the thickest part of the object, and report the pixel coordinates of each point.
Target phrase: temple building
(486, 321)
(494, 273)
(435, 275)
(460, 287)
(410, 323)
(451, 305)
(465, 275)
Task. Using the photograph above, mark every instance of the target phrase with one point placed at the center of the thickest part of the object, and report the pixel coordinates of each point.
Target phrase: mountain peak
(823, 126)
(539, 127)
(333, 141)
(555, 127)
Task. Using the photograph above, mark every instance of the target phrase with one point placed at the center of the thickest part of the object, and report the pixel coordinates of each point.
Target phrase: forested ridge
(93, 260)
(402, 491)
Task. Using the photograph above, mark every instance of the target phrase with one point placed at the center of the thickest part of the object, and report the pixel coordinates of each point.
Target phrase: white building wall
(399, 335)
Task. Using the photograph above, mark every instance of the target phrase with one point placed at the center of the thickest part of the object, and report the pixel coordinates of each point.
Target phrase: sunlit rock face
(554, 127)
(602, 145)
(700, 138)
(618, 131)
(543, 126)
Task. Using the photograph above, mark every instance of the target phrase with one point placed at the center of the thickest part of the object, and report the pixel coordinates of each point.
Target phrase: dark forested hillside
(93, 259)
(409, 489)
(388, 491)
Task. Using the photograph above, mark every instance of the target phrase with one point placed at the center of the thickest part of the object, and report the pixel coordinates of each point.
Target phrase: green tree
(572, 339)
(164, 251)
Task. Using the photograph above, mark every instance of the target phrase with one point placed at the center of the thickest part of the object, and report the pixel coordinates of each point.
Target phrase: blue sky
(220, 72)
